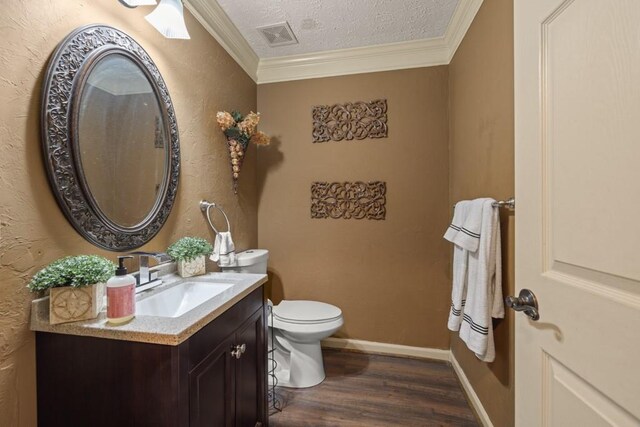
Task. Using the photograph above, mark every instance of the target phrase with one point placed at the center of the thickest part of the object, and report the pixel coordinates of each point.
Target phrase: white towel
(464, 229)
(459, 290)
(464, 233)
(224, 249)
(484, 287)
(477, 284)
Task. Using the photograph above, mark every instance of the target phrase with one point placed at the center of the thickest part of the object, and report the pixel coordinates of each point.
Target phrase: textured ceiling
(322, 25)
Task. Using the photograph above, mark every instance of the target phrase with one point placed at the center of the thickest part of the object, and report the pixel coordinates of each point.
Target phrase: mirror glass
(122, 141)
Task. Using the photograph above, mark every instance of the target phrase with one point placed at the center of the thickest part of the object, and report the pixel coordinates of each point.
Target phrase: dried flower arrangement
(240, 130)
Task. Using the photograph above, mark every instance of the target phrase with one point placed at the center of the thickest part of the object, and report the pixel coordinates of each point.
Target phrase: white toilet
(297, 329)
(249, 261)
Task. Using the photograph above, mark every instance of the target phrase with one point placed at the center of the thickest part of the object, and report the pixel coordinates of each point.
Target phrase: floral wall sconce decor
(349, 200)
(353, 120)
(240, 130)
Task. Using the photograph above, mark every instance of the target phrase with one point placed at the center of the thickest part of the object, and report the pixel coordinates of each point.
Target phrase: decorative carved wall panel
(349, 200)
(353, 120)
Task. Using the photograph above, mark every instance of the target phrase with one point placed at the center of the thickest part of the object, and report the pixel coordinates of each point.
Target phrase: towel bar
(510, 203)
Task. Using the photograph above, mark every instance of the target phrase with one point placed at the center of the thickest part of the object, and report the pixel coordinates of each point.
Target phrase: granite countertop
(156, 329)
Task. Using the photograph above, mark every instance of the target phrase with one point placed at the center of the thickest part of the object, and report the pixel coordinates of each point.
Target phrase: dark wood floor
(372, 390)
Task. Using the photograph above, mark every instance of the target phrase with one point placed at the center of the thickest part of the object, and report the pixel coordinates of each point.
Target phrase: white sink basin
(178, 300)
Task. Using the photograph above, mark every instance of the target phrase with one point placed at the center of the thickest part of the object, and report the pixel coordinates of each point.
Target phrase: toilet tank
(250, 261)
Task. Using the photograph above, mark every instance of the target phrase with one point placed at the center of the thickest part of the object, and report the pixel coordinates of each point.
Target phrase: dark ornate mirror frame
(66, 73)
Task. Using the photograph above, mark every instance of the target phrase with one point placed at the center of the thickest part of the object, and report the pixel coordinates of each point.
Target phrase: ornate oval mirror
(110, 138)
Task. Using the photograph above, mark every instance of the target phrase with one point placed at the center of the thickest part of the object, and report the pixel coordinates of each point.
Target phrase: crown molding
(213, 18)
(459, 25)
(367, 59)
(393, 56)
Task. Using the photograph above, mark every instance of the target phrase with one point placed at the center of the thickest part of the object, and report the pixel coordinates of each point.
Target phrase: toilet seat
(303, 312)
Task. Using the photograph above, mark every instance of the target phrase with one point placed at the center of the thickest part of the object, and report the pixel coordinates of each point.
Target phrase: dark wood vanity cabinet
(205, 381)
(225, 384)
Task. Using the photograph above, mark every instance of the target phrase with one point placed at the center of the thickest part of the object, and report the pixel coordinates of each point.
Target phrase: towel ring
(205, 206)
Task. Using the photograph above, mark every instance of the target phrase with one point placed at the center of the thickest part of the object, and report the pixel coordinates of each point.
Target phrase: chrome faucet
(144, 274)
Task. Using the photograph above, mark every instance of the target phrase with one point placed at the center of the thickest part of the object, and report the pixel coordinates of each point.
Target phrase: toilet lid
(305, 312)
(251, 257)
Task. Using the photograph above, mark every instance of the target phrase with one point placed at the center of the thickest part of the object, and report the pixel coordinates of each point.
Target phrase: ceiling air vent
(278, 34)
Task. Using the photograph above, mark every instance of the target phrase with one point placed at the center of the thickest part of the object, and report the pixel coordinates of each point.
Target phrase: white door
(577, 106)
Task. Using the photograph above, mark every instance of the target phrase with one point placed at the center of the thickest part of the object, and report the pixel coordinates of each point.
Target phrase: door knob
(238, 350)
(526, 301)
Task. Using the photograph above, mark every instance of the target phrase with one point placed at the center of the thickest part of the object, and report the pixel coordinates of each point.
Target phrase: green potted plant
(76, 286)
(189, 253)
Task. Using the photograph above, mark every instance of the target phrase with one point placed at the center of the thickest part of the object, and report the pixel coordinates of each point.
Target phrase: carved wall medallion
(353, 120)
(357, 200)
(67, 68)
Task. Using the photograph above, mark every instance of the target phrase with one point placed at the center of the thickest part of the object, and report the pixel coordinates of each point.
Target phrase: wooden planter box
(68, 304)
(195, 267)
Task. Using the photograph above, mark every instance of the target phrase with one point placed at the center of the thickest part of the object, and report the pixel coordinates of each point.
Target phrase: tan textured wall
(482, 164)
(390, 278)
(201, 78)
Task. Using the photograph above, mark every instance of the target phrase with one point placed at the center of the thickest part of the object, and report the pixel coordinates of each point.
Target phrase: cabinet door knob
(238, 350)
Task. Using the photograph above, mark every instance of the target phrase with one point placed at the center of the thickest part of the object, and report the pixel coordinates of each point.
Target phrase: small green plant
(189, 248)
(75, 271)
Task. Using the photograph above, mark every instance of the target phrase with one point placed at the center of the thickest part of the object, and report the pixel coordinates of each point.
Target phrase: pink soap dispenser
(121, 295)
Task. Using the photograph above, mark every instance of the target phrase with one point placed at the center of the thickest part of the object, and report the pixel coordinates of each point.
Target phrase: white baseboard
(388, 349)
(473, 398)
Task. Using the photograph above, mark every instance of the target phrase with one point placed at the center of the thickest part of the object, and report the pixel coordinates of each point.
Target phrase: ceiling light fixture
(135, 3)
(168, 18)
